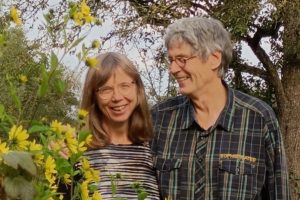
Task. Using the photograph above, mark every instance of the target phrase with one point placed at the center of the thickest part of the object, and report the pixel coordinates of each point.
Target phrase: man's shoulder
(171, 103)
(252, 103)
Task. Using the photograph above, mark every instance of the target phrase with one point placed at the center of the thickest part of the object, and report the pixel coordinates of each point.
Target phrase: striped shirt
(132, 163)
(240, 157)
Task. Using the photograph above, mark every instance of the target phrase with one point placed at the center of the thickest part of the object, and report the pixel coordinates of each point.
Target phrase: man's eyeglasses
(125, 89)
(180, 61)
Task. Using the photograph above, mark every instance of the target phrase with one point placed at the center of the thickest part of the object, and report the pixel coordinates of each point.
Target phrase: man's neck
(209, 104)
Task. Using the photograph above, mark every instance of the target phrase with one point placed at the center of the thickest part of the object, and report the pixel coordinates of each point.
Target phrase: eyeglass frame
(111, 89)
(181, 59)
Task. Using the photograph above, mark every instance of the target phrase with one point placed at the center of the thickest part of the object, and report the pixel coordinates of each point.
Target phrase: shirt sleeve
(276, 183)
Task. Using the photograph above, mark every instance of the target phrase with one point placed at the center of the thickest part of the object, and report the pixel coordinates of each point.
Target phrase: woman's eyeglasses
(125, 89)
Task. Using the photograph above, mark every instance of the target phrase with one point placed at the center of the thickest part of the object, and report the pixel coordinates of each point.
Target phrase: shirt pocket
(168, 176)
(237, 167)
(237, 179)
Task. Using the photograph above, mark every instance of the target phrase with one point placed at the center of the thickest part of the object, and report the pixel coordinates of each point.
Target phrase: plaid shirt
(240, 157)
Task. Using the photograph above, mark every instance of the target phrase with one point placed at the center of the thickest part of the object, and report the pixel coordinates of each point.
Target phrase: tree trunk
(291, 126)
(291, 84)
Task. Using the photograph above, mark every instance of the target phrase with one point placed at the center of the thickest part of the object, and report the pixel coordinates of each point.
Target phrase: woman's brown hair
(140, 126)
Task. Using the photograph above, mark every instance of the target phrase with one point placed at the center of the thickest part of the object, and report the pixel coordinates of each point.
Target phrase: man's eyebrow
(178, 56)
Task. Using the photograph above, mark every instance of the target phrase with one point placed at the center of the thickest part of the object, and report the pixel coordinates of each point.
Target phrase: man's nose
(173, 67)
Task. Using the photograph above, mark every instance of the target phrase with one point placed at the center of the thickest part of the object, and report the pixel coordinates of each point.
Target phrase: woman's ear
(215, 59)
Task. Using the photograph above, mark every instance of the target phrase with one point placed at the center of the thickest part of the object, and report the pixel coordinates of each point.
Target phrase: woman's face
(117, 98)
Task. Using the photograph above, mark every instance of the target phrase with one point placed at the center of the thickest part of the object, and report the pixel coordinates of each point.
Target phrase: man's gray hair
(205, 35)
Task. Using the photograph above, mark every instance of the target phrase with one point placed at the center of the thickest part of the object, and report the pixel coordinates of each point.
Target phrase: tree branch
(244, 67)
(273, 76)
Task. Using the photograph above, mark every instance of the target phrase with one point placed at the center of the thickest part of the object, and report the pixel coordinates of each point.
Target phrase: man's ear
(215, 59)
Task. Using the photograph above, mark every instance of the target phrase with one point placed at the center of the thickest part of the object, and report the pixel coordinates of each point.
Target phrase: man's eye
(181, 59)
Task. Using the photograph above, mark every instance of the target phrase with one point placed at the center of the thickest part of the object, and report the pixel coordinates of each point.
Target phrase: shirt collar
(189, 114)
(225, 119)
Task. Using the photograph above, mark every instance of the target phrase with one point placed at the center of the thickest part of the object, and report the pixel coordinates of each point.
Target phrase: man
(213, 142)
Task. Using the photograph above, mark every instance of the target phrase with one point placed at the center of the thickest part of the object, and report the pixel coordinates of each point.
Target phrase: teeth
(118, 108)
(182, 78)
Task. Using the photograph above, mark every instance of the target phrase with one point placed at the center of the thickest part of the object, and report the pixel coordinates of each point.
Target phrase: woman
(120, 123)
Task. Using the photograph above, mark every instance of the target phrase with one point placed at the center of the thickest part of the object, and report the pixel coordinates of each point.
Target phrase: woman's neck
(118, 133)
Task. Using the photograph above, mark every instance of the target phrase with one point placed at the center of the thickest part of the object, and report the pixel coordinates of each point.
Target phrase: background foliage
(20, 58)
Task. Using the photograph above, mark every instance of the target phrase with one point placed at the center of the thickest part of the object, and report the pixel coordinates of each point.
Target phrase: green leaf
(2, 112)
(83, 135)
(60, 86)
(13, 94)
(44, 139)
(53, 61)
(38, 128)
(63, 166)
(113, 186)
(19, 188)
(2, 39)
(76, 42)
(10, 188)
(46, 17)
(93, 188)
(66, 41)
(142, 195)
(16, 159)
(44, 86)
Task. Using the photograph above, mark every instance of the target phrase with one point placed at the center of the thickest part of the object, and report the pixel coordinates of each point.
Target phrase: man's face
(193, 74)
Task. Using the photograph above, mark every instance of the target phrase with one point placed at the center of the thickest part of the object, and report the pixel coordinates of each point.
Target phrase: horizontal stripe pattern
(132, 162)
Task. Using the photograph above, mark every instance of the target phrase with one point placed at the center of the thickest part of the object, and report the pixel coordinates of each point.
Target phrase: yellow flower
(70, 130)
(97, 196)
(36, 150)
(81, 14)
(82, 113)
(55, 145)
(88, 139)
(50, 171)
(61, 197)
(85, 164)
(15, 16)
(23, 78)
(84, 8)
(35, 147)
(3, 147)
(57, 126)
(96, 44)
(18, 137)
(89, 19)
(72, 142)
(82, 147)
(66, 178)
(92, 175)
(84, 190)
(78, 18)
(91, 62)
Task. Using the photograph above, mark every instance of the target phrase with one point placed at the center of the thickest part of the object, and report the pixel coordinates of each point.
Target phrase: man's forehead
(179, 49)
